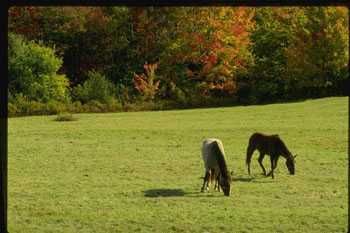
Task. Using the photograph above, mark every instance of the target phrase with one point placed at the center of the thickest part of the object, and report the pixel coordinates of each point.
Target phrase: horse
(215, 165)
(273, 146)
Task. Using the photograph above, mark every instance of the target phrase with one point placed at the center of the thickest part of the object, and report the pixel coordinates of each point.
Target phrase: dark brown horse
(215, 166)
(273, 146)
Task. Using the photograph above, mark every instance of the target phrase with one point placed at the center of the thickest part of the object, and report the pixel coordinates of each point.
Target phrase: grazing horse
(271, 145)
(215, 165)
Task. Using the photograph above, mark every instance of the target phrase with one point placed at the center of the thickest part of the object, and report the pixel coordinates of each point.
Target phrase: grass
(141, 171)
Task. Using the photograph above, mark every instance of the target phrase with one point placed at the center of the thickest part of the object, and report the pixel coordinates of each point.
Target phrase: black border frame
(3, 119)
(267, 3)
(158, 3)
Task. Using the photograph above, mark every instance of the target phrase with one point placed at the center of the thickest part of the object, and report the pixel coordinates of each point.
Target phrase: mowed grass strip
(141, 171)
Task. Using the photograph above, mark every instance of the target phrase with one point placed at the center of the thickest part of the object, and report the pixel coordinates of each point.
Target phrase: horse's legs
(212, 178)
(206, 180)
(217, 182)
(260, 159)
(273, 165)
(273, 160)
(250, 151)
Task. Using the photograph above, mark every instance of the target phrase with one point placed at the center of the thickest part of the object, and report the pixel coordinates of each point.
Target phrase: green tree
(33, 71)
(317, 58)
(271, 37)
(96, 87)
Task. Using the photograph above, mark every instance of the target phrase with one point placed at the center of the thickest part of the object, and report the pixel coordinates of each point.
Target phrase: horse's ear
(295, 156)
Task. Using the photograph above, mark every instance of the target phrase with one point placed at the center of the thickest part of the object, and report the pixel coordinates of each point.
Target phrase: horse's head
(225, 184)
(290, 163)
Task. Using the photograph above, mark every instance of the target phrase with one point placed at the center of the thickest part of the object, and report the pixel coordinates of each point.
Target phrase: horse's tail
(250, 151)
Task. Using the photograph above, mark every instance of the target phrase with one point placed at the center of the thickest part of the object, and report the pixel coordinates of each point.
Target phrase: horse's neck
(280, 148)
(222, 165)
(286, 154)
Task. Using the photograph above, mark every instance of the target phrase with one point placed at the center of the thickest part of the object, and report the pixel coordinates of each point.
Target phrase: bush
(20, 105)
(95, 106)
(146, 83)
(76, 107)
(12, 110)
(95, 88)
(114, 105)
(32, 70)
(54, 107)
(65, 116)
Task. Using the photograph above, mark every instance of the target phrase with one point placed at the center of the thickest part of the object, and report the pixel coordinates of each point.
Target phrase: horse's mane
(221, 160)
(283, 148)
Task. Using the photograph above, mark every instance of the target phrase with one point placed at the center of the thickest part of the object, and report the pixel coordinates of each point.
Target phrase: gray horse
(215, 165)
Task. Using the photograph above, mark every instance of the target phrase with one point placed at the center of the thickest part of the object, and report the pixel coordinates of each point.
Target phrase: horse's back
(269, 144)
(209, 148)
(209, 143)
(263, 137)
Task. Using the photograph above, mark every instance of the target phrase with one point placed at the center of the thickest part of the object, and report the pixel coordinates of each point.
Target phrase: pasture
(141, 171)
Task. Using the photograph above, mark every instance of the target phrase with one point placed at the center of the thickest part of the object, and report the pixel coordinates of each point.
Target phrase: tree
(146, 83)
(317, 59)
(203, 47)
(270, 39)
(33, 71)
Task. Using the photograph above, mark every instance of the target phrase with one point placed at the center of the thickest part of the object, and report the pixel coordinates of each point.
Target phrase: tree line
(95, 59)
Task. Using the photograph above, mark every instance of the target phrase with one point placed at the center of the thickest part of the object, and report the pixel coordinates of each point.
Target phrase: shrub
(95, 88)
(12, 109)
(54, 107)
(95, 106)
(20, 105)
(65, 116)
(35, 108)
(146, 83)
(135, 106)
(33, 71)
(76, 107)
(114, 105)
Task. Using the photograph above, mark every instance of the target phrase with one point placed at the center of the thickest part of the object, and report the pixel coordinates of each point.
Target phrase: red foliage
(25, 21)
(145, 83)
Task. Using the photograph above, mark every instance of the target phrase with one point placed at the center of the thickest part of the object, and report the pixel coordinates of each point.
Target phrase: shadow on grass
(242, 179)
(260, 179)
(164, 193)
(154, 193)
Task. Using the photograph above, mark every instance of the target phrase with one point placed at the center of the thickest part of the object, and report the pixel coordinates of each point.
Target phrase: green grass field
(141, 171)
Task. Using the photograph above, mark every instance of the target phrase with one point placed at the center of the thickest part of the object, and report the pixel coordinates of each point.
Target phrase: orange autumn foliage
(145, 83)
